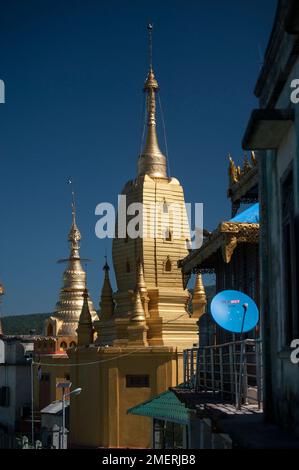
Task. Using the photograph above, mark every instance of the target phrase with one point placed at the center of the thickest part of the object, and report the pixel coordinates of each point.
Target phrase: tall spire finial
(106, 301)
(150, 45)
(74, 234)
(106, 266)
(71, 182)
(151, 162)
(85, 328)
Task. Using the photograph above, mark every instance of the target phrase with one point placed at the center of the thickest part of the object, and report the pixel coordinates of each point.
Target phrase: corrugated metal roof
(164, 406)
(55, 407)
(250, 215)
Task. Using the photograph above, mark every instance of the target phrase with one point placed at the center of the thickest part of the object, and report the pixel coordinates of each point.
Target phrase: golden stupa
(64, 321)
(144, 325)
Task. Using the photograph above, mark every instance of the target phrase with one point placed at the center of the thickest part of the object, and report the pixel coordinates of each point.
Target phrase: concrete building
(15, 381)
(273, 131)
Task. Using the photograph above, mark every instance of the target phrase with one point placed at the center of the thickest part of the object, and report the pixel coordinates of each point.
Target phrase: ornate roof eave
(238, 191)
(242, 181)
(226, 237)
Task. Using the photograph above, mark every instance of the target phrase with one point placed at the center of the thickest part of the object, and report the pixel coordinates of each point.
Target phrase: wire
(150, 44)
(103, 360)
(164, 132)
(90, 363)
(143, 118)
(71, 182)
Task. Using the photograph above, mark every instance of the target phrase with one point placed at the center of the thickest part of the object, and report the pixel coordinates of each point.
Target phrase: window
(168, 265)
(291, 323)
(158, 434)
(167, 236)
(165, 207)
(63, 345)
(169, 435)
(174, 435)
(137, 381)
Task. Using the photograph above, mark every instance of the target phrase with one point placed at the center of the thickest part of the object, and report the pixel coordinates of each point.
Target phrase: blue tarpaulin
(250, 215)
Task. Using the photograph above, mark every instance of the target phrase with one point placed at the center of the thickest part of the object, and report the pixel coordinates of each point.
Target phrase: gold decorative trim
(241, 180)
(226, 237)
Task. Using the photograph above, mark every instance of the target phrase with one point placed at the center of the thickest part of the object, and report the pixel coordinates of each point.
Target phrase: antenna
(150, 60)
(150, 44)
(164, 132)
(71, 182)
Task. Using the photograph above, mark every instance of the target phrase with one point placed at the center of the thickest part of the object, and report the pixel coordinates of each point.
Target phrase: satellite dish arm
(245, 306)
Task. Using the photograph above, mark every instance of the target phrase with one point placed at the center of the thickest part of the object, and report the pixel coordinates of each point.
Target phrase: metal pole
(197, 371)
(192, 368)
(32, 403)
(63, 421)
(245, 306)
(221, 371)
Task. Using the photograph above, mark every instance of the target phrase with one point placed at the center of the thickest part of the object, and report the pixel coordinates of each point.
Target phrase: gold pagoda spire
(141, 287)
(85, 328)
(69, 305)
(151, 162)
(74, 236)
(199, 299)
(106, 302)
(138, 312)
(137, 330)
(85, 316)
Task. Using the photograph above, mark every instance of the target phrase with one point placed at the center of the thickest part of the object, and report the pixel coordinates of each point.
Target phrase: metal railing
(232, 370)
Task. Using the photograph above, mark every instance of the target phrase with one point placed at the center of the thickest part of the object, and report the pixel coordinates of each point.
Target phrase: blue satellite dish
(234, 311)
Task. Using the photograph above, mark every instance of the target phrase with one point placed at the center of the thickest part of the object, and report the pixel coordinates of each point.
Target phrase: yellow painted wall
(99, 415)
(56, 373)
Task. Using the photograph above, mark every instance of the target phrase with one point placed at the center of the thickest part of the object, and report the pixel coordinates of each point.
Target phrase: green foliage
(24, 324)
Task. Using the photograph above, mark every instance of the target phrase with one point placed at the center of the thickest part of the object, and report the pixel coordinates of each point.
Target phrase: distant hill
(23, 324)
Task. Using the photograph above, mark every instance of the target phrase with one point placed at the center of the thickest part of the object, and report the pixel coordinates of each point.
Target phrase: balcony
(229, 373)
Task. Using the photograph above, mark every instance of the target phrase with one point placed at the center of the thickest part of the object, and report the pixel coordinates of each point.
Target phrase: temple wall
(99, 415)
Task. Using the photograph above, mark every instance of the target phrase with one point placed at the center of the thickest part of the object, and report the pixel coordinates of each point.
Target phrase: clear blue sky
(74, 72)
